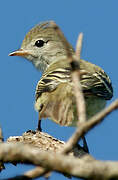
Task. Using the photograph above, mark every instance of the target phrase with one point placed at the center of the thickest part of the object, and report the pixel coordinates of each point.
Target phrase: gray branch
(85, 167)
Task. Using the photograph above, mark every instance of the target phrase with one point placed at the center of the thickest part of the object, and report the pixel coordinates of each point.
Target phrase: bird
(54, 98)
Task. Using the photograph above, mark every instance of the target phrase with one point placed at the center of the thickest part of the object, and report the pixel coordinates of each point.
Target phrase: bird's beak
(19, 52)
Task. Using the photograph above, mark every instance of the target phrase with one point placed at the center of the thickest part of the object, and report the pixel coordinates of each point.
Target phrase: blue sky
(98, 20)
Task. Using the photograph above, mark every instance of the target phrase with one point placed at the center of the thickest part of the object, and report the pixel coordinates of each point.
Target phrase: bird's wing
(50, 81)
(97, 83)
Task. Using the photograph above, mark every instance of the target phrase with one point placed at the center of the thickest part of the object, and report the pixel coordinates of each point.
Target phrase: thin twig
(80, 102)
(85, 127)
(79, 46)
(74, 61)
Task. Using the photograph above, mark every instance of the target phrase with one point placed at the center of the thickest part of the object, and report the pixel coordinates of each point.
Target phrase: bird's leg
(80, 151)
(85, 146)
(39, 119)
(39, 125)
(38, 128)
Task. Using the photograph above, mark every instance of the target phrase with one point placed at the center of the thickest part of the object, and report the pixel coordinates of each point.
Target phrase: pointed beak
(19, 52)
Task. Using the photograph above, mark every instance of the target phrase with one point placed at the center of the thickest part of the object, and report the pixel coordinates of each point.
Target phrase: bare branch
(77, 85)
(74, 61)
(46, 142)
(80, 102)
(79, 46)
(83, 168)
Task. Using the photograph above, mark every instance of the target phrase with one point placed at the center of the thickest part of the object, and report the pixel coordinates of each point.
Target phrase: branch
(80, 102)
(77, 85)
(83, 168)
(74, 62)
(46, 142)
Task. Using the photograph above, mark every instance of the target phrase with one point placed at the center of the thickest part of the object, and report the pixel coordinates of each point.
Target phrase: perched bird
(54, 93)
(55, 97)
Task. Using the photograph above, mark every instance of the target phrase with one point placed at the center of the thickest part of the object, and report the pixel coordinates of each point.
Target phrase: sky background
(98, 20)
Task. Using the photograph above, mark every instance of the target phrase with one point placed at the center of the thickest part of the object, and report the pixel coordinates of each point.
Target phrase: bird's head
(42, 46)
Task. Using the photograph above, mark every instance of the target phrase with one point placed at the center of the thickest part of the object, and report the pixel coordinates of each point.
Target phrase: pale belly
(93, 105)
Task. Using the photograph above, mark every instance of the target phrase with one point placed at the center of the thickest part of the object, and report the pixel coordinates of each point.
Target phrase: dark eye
(39, 43)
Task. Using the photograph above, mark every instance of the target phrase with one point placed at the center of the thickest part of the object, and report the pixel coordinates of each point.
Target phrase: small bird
(54, 92)
(55, 97)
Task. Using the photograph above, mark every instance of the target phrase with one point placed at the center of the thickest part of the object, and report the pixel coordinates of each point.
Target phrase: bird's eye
(39, 43)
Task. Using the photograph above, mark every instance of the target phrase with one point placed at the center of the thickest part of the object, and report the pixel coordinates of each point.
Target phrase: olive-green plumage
(55, 96)
(54, 93)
